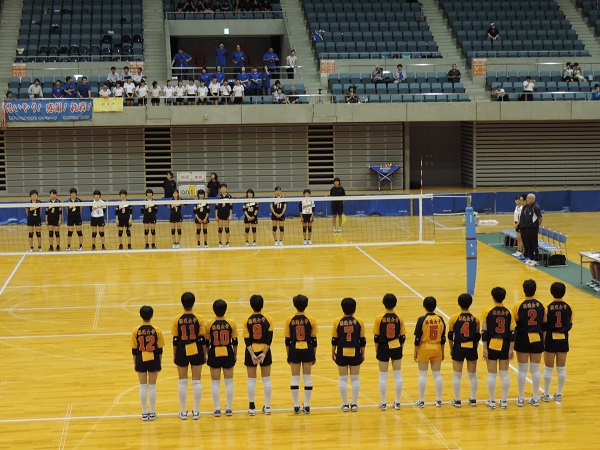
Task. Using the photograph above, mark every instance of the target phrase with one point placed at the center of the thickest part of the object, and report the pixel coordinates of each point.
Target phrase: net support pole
(471, 249)
(420, 219)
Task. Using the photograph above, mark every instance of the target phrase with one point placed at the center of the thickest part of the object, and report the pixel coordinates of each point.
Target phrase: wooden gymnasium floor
(67, 379)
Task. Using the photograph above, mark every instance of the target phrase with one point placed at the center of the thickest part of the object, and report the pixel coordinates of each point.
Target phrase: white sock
(492, 386)
(307, 389)
(343, 387)
(562, 376)
(215, 388)
(474, 384)
(355, 388)
(422, 384)
(456, 384)
(229, 392)
(398, 384)
(535, 379)
(182, 392)
(505, 383)
(383, 376)
(268, 388)
(197, 389)
(251, 389)
(547, 378)
(437, 378)
(152, 392)
(521, 378)
(144, 398)
(296, 390)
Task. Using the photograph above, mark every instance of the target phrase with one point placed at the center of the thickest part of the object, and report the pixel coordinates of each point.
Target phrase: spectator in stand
(454, 75)
(255, 82)
(244, 79)
(214, 89)
(400, 75)
(112, 77)
(138, 77)
(275, 87)
(528, 88)
(199, 6)
(202, 93)
(238, 92)
(129, 90)
(142, 93)
(567, 73)
(191, 92)
(181, 62)
(57, 90)
(35, 90)
(351, 96)
(279, 96)
(126, 74)
(179, 93)
(500, 94)
(69, 88)
(578, 73)
(185, 6)
(239, 59)
(219, 75)
(271, 60)
(169, 91)
(377, 75)
(291, 62)
(293, 95)
(105, 91)
(493, 34)
(596, 92)
(155, 94)
(10, 95)
(84, 90)
(118, 90)
(221, 55)
(226, 93)
(205, 76)
(266, 80)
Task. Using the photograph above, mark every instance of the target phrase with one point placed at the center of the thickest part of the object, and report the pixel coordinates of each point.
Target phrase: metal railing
(173, 15)
(380, 55)
(231, 74)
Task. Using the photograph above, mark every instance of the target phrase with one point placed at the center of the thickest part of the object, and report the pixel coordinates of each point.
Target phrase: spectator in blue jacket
(84, 90)
(181, 62)
(205, 76)
(266, 81)
(596, 92)
(239, 59)
(219, 75)
(69, 88)
(221, 55)
(271, 60)
(255, 82)
(57, 90)
(244, 79)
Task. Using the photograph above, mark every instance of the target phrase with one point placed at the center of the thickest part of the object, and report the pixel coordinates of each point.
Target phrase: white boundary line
(12, 274)
(65, 429)
(98, 307)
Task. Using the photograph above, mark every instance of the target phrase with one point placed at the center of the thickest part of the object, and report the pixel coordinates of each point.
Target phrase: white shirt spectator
(169, 91)
(142, 91)
(191, 90)
(202, 92)
(118, 92)
(155, 92)
(35, 91)
(225, 90)
(214, 88)
(238, 91)
(129, 88)
(179, 92)
(528, 85)
(291, 61)
(113, 77)
(137, 78)
(104, 93)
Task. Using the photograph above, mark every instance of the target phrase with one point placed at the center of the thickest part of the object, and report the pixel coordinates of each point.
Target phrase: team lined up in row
(124, 218)
(529, 329)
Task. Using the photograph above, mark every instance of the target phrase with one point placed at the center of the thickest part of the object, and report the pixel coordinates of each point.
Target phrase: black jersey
(176, 208)
(124, 212)
(74, 212)
(278, 205)
(258, 331)
(337, 191)
(559, 316)
(53, 212)
(463, 328)
(34, 211)
(201, 210)
(149, 211)
(529, 315)
(251, 208)
(347, 332)
(224, 208)
(169, 186)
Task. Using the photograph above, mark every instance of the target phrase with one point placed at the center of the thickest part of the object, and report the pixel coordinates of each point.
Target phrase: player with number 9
(222, 340)
(300, 333)
(188, 332)
(258, 336)
(390, 335)
(430, 338)
(147, 347)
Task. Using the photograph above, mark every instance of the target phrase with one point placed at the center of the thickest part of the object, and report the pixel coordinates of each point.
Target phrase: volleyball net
(366, 220)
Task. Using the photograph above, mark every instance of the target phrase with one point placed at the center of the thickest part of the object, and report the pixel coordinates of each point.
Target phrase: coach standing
(529, 225)
(169, 185)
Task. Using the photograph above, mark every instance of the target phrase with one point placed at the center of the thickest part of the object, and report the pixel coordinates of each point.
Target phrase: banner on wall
(48, 110)
(111, 104)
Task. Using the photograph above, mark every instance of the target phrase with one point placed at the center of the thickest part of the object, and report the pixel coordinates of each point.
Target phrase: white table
(586, 258)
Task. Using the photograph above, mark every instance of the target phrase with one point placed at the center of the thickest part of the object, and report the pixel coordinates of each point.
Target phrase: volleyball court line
(12, 274)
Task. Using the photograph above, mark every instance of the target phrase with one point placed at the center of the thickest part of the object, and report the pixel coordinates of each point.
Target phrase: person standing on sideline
(169, 185)
(519, 202)
(181, 62)
(213, 185)
(529, 225)
(221, 55)
(337, 206)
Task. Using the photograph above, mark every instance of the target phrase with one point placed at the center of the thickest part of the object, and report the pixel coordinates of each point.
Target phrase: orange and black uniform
(499, 322)
(390, 335)
(529, 315)
(222, 337)
(146, 345)
(300, 334)
(464, 334)
(348, 336)
(430, 336)
(258, 333)
(558, 323)
(188, 339)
